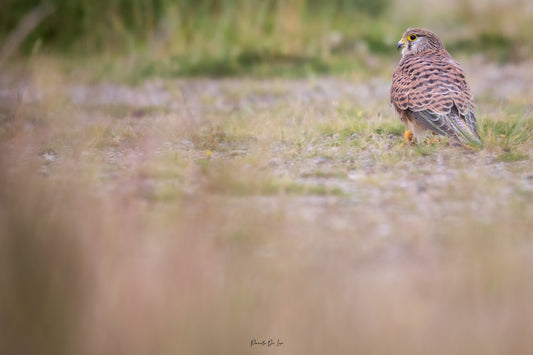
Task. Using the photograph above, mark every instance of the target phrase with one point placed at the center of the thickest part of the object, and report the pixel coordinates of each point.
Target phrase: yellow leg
(409, 137)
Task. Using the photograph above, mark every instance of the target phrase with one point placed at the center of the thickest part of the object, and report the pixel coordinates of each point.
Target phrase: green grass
(509, 133)
(512, 156)
(254, 63)
(135, 40)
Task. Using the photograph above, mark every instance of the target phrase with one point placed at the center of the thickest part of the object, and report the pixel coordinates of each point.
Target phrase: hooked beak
(401, 44)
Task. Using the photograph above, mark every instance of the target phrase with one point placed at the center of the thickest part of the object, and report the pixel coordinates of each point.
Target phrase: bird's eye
(412, 37)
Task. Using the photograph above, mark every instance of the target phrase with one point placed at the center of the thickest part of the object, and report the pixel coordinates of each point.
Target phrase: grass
(508, 134)
(512, 156)
(136, 40)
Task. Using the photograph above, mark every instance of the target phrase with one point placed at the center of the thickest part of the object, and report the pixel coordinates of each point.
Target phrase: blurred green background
(266, 37)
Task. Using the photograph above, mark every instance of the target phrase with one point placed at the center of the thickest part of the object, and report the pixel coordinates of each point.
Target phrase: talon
(408, 137)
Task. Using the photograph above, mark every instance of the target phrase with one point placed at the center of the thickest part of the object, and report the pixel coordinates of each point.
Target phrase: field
(146, 209)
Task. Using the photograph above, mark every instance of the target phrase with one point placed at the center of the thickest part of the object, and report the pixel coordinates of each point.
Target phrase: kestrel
(429, 90)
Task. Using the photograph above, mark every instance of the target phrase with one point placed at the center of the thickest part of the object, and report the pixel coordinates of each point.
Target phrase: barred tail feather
(451, 124)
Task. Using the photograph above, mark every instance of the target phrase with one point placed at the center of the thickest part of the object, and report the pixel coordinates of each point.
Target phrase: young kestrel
(429, 90)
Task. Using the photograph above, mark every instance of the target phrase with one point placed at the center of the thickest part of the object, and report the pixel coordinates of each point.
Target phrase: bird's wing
(452, 124)
(438, 123)
(470, 120)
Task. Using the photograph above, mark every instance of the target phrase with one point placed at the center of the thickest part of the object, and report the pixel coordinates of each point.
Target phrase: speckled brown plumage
(429, 89)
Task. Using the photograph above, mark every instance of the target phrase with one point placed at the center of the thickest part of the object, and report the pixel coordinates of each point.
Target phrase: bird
(430, 93)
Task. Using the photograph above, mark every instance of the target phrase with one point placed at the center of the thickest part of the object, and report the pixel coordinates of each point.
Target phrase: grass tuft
(512, 156)
(509, 134)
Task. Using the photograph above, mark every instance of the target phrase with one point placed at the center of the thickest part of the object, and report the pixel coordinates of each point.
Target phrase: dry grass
(193, 216)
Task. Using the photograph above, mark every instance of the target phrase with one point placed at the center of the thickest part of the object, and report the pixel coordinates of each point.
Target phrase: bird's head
(419, 40)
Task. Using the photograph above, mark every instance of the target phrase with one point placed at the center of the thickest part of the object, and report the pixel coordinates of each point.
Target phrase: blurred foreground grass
(192, 216)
